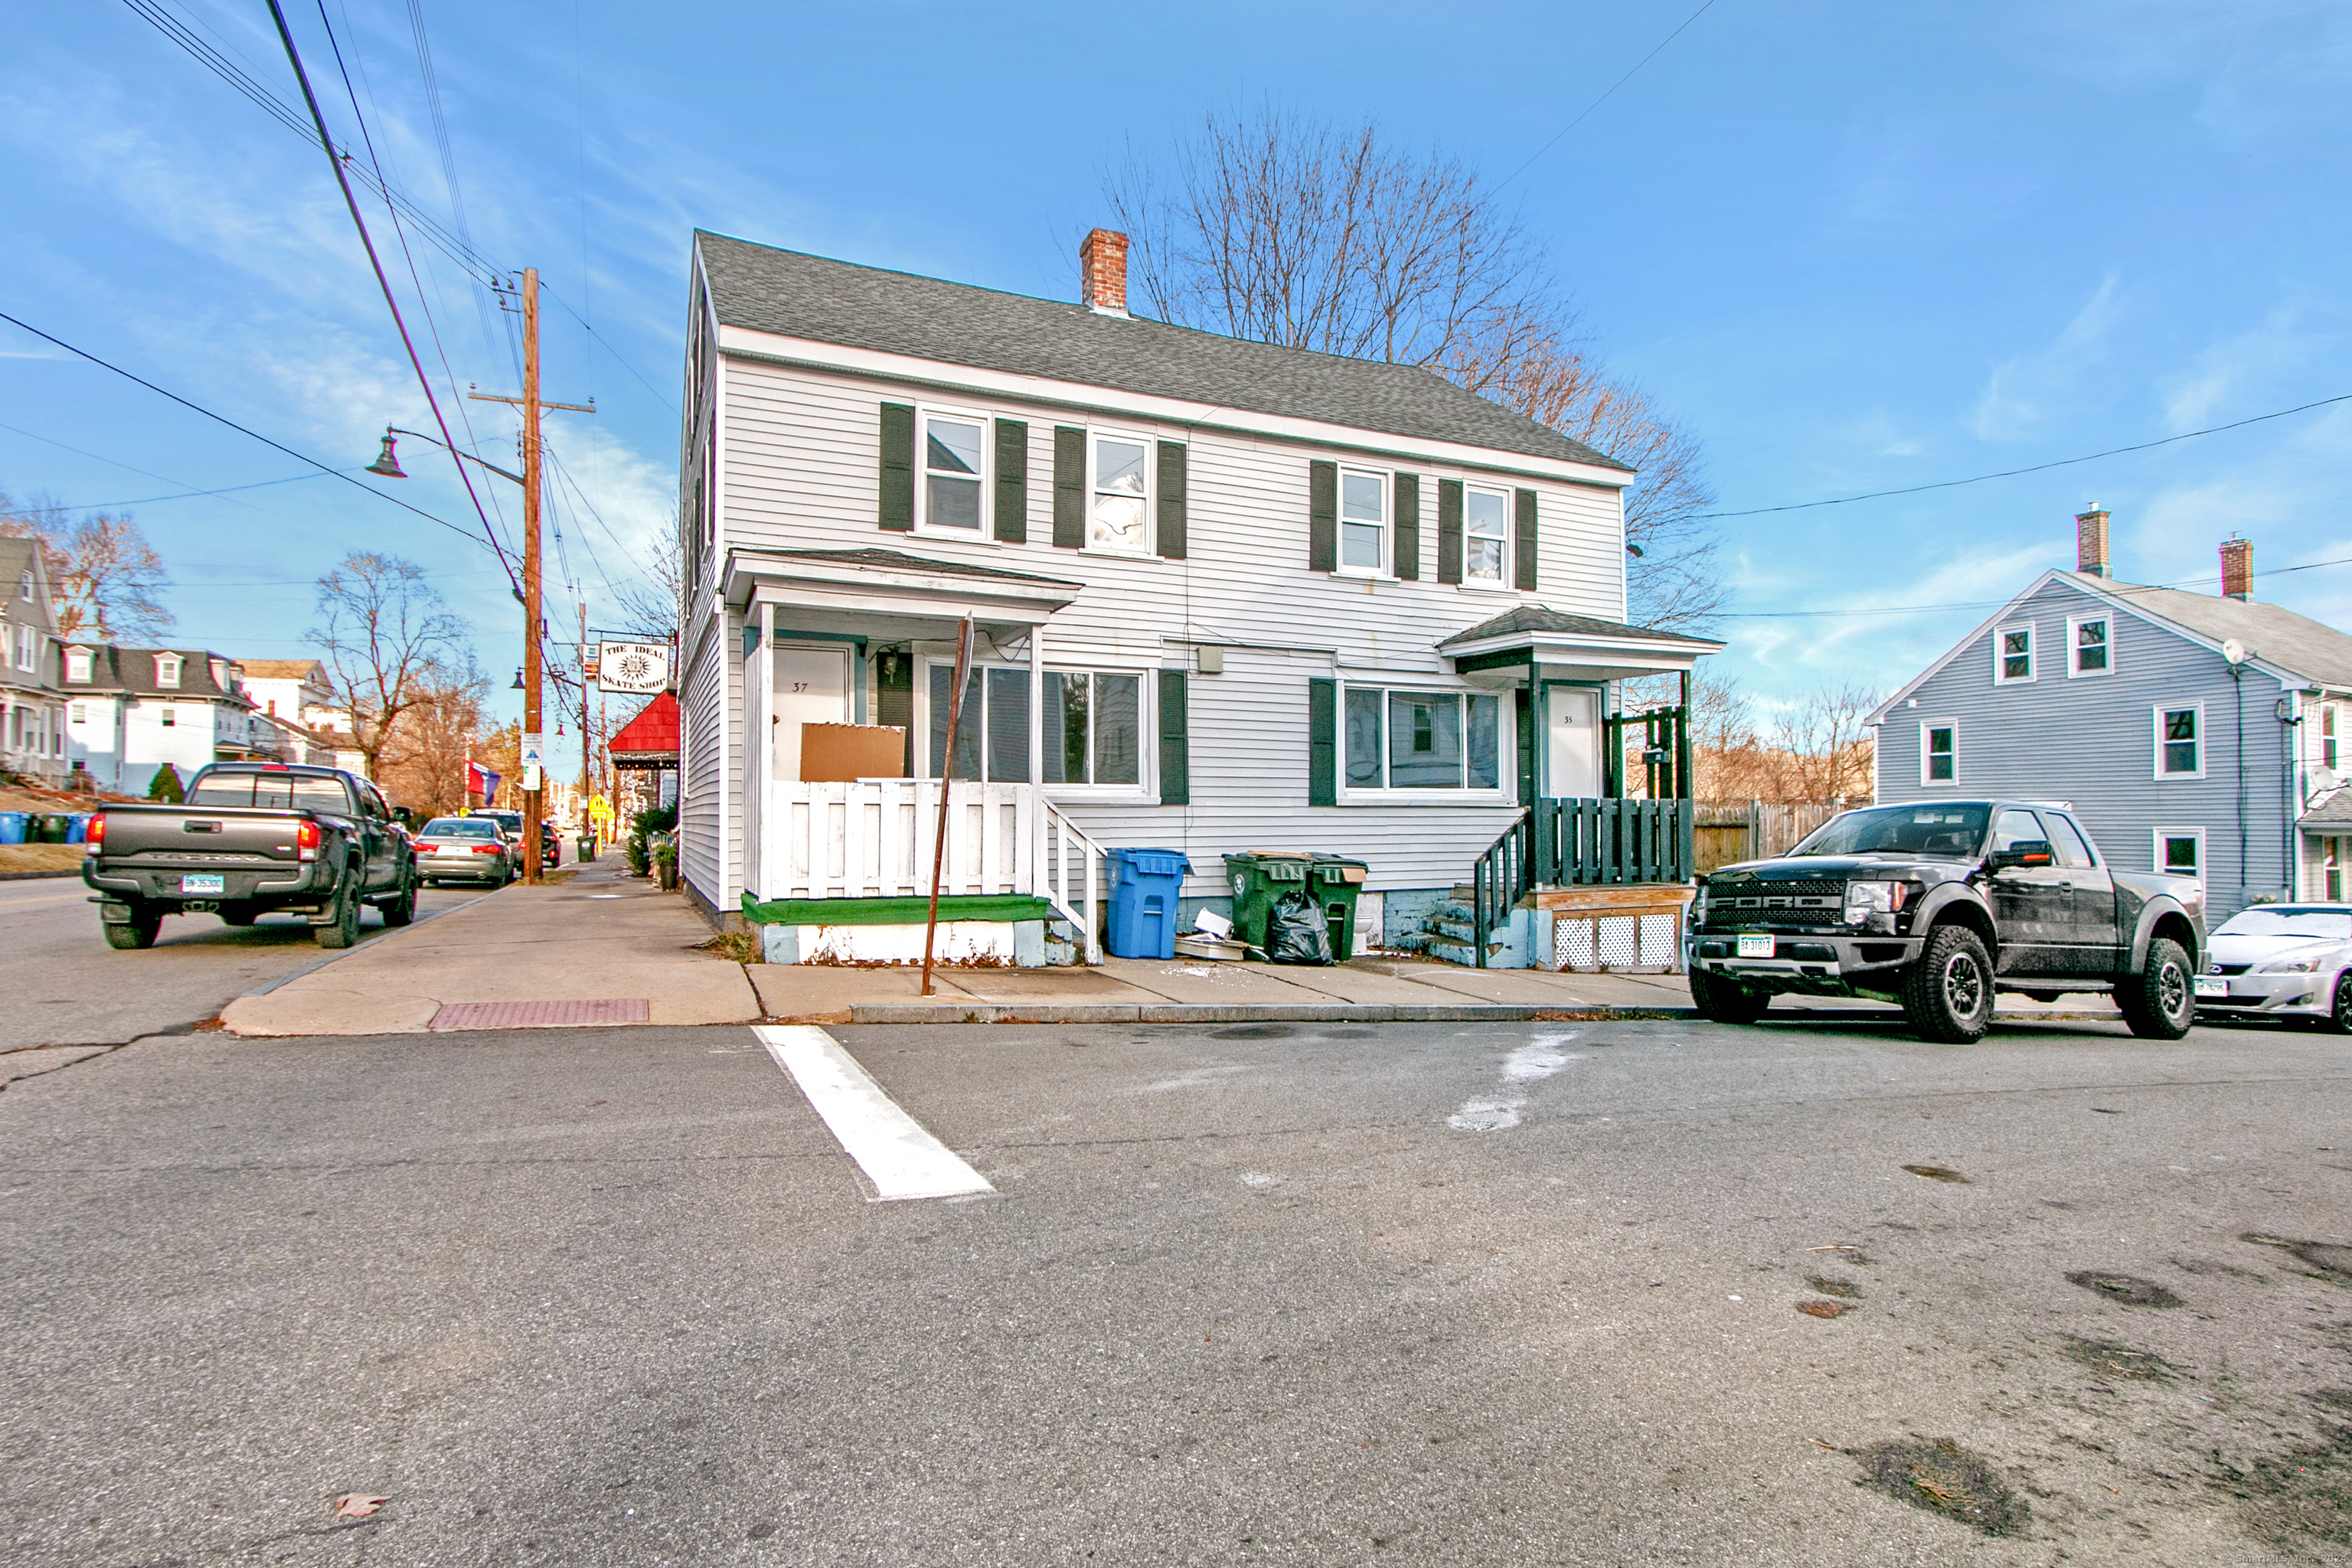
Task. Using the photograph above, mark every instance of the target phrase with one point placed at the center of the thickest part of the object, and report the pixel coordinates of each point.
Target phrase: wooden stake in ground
(947, 785)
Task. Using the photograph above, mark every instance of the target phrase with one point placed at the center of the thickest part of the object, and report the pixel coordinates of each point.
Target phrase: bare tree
(387, 643)
(648, 602)
(424, 766)
(104, 574)
(1826, 743)
(1283, 231)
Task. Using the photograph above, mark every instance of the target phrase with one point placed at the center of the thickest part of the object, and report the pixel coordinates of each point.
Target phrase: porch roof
(649, 740)
(2331, 814)
(1595, 648)
(888, 594)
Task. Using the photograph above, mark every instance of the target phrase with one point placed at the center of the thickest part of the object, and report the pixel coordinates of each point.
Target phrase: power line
(183, 495)
(2113, 587)
(224, 419)
(1597, 102)
(2036, 469)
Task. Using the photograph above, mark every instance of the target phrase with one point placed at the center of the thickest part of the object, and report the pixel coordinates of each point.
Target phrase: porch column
(760, 754)
(1037, 756)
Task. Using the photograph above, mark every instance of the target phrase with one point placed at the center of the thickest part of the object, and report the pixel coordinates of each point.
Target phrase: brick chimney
(2091, 557)
(1103, 261)
(2238, 569)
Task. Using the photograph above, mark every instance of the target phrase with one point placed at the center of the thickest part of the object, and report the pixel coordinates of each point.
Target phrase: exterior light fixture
(518, 685)
(387, 462)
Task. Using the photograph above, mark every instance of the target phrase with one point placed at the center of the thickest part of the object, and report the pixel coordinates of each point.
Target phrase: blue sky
(1852, 248)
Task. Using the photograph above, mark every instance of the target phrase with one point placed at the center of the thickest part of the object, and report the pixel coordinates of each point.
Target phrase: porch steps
(1448, 932)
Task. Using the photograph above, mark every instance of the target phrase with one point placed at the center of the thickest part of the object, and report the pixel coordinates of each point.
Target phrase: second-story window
(2090, 648)
(952, 473)
(25, 586)
(1487, 535)
(2328, 735)
(1939, 753)
(28, 649)
(2179, 743)
(1115, 515)
(170, 718)
(1364, 522)
(2012, 654)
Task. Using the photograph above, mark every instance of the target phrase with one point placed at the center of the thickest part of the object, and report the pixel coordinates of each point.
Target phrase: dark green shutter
(898, 467)
(1172, 499)
(1322, 743)
(1524, 715)
(1070, 487)
(1523, 544)
(1175, 743)
(1408, 527)
(1013, 480)
(1449, 531)
(1323, 516)
(894, 696)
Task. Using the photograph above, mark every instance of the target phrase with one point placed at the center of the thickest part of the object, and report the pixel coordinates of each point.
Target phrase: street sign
(633, 666)
(530, 761)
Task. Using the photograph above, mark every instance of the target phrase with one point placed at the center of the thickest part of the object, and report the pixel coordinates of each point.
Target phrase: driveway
(1422, 1294)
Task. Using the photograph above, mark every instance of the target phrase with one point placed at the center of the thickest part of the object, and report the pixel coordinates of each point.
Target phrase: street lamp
(388, 463)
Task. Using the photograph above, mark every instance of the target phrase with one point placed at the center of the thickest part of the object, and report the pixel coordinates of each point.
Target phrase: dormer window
(167, 670)
(77, 664)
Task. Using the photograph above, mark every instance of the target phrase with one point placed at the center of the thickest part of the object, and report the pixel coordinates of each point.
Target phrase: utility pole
(587, 741)
(534, 628)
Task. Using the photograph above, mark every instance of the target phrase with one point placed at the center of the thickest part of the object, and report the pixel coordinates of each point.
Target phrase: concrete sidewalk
(605, 948)
(541, 955)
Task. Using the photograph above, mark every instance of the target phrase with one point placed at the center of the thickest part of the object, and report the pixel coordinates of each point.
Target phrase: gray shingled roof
(2279, 636)
(2335, 810)
(802, 296)
(132, 671)
(898, 561)
(1533, 619)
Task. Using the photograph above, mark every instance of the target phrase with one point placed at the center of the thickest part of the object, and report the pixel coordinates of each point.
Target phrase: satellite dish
(2233, 650)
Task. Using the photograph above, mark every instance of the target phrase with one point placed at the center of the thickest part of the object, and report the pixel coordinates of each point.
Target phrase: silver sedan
(464, 849)
(2282, 961)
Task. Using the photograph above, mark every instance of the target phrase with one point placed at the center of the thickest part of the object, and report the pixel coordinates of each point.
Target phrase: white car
(2281, 961)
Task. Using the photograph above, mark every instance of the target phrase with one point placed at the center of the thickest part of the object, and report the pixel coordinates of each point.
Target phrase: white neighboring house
(131, 710)
(32, 716)
(1227, 597)
(297, 702)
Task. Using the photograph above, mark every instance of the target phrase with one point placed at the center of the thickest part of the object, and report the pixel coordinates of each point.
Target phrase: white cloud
(2021, 392)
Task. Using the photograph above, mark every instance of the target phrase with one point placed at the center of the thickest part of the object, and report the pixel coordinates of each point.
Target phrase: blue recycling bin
(1144, 885)
(78, 827)
(11, 826)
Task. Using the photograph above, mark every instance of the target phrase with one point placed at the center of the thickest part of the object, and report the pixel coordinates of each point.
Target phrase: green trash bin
(1262, 878)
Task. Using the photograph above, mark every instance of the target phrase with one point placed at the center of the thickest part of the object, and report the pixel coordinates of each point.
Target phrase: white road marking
(898, 1156)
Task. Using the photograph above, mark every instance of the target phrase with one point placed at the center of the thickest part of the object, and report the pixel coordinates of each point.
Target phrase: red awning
(650, 740)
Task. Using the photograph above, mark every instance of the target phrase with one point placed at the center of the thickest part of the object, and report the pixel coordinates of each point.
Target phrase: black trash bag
(1295, 933)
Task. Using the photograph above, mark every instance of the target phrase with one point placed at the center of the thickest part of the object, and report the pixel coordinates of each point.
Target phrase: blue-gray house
(2191, 733)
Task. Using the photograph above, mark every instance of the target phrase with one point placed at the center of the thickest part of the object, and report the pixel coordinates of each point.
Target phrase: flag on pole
(480, 781)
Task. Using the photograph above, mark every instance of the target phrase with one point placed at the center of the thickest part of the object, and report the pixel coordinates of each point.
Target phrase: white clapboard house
(1227, 597)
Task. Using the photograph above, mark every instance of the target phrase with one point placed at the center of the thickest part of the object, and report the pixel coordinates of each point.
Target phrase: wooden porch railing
(1578, 843)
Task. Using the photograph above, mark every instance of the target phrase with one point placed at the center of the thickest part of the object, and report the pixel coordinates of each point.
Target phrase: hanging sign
(530, 761)
(633, 666)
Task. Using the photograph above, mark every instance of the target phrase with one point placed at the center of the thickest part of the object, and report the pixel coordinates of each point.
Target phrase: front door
(1573, 743)
(812, 687)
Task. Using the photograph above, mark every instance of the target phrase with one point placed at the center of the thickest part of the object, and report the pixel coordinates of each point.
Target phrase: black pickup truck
(253, 837)
(1939, 905)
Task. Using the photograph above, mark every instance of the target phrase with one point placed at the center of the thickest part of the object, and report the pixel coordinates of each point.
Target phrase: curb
(1242, 1012)
(29, 876)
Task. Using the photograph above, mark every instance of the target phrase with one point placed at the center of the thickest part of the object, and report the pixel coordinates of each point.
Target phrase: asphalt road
(1308, 1294)
(67, 987)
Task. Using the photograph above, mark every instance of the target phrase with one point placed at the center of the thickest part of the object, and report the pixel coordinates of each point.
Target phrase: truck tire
(399, 911)
(1948, 995)
(138, 931)
(1726, 1001)
(2158, 1002)
(344, 930)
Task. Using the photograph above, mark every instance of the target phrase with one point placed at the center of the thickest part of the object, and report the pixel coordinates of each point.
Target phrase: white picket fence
(873, 838)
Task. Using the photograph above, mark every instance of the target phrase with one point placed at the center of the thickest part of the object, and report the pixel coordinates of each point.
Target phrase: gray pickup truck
(1937, 905)
(253, 837)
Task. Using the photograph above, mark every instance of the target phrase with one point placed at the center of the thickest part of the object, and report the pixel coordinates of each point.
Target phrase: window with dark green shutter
(1407, 561)
(898, 467)
(1523, 544)
(1175, 744)
(1449, 531)
(1070, 487)
(1172, 499)
(1323, 516)
(1322, 743)
(1013, 480)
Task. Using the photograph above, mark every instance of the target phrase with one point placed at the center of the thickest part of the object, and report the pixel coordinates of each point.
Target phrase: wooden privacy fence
(1727, 832)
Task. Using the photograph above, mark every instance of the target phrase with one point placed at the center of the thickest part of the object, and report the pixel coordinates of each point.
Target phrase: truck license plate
(2212, 985)
(1755, 947)
(204, 884)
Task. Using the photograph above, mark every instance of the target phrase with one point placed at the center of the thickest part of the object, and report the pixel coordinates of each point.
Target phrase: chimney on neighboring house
(2091, 557)
(1103, 261)
(2238, 569)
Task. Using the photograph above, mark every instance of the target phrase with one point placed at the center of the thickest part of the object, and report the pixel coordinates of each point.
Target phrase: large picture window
(1093, 724)
(953, 466)
(1422, 740)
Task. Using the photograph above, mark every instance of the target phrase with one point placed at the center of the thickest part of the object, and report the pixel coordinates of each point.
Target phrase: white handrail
(1069, 869)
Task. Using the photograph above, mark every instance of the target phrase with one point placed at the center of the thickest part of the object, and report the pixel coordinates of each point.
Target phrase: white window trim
(1149, 549)
(2033, 654)
(1504, 791)
(1387, 568)
(1503, 583)
(2156, 851)
(1145, 791)
(1954, 726)
(80, 665)
(175, 665)
(2073, 649)
(986, 532)
(2155, 731)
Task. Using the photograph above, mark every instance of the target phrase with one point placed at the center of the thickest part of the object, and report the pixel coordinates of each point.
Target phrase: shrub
(166, 787)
